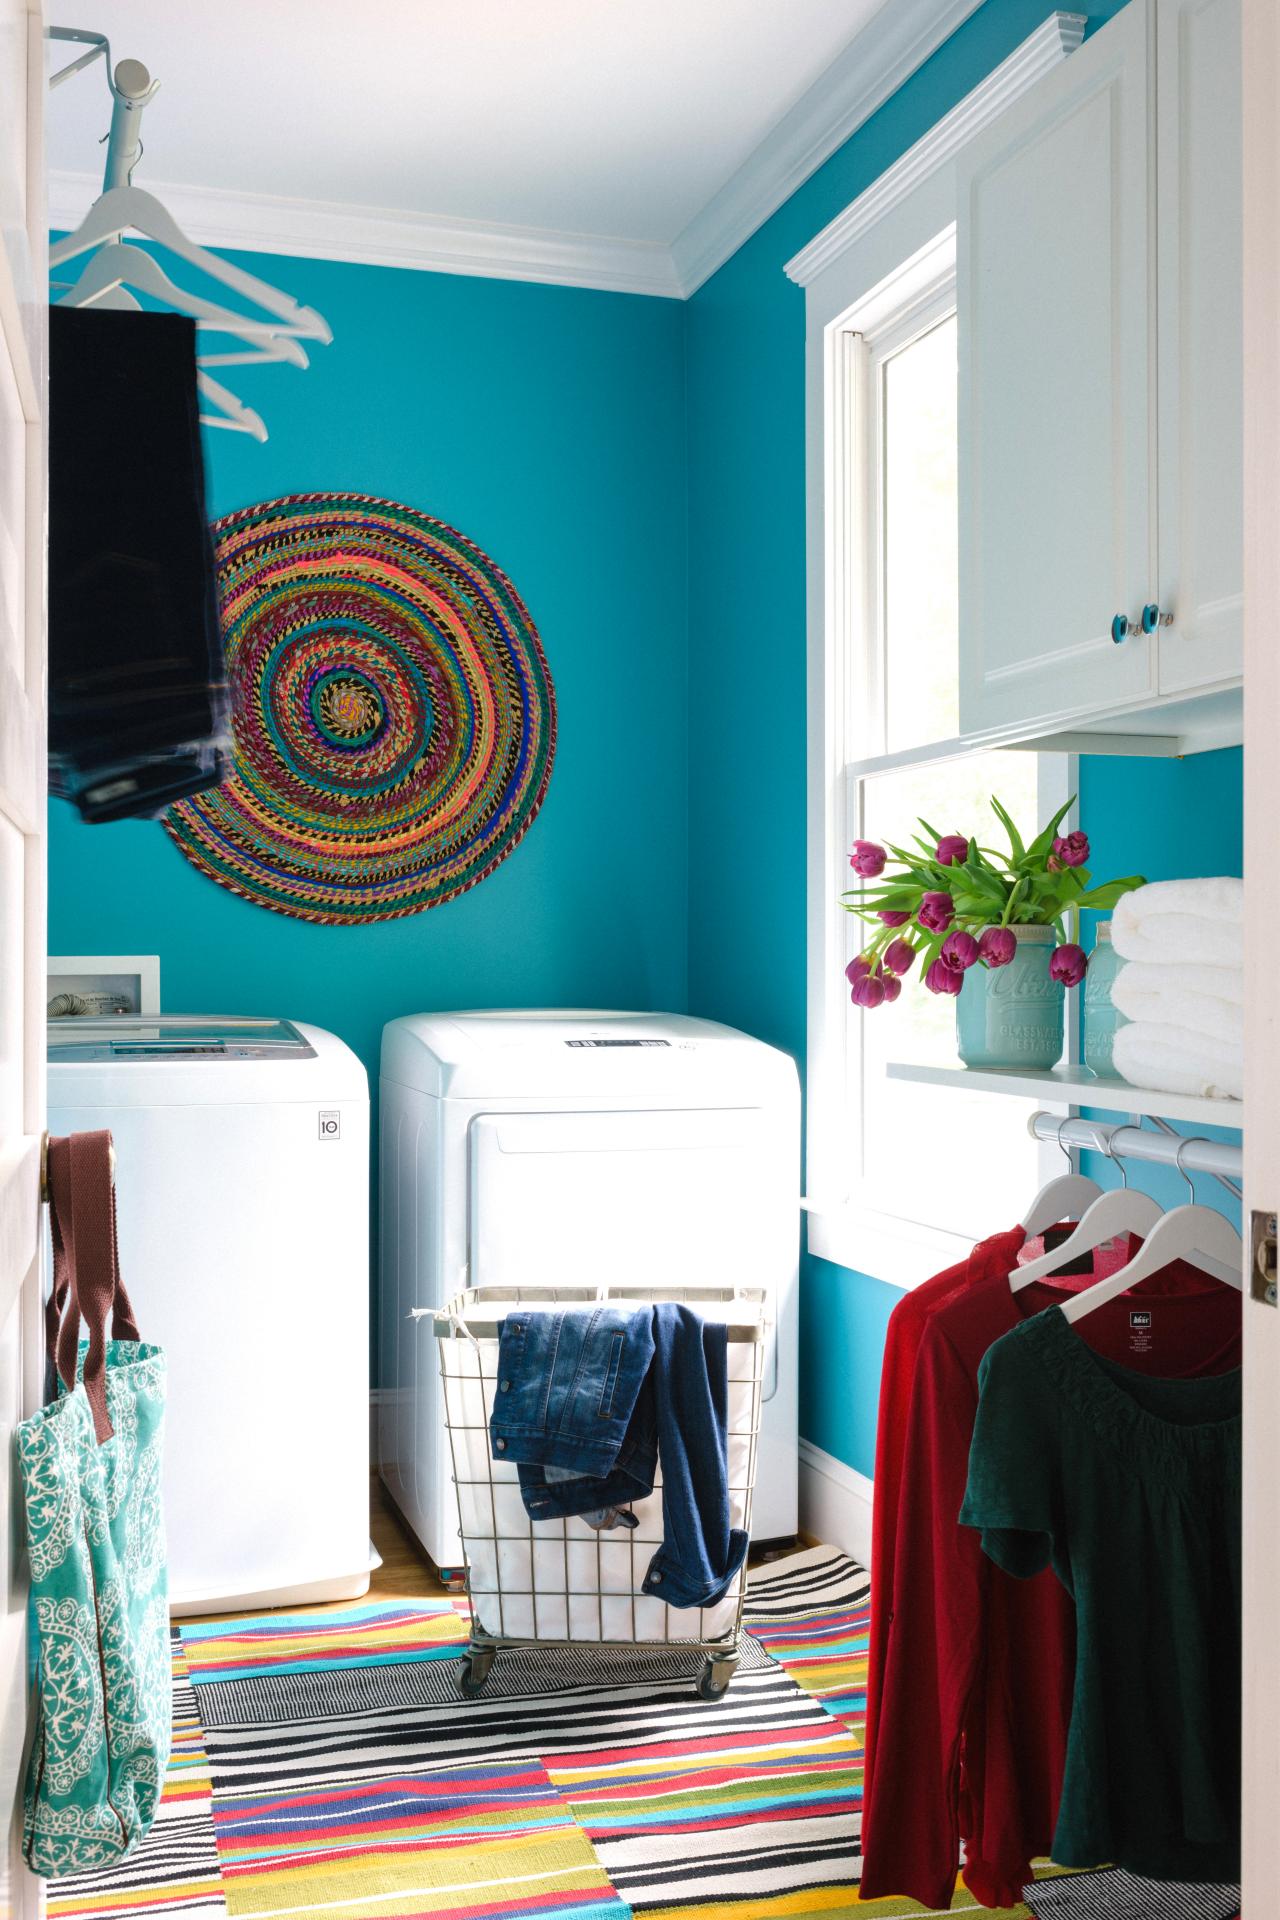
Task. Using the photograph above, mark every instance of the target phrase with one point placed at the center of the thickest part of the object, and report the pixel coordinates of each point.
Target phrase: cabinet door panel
(1056, 511)
(1200, 269)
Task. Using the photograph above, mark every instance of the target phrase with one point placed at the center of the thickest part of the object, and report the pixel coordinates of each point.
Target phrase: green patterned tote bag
(90, 1470)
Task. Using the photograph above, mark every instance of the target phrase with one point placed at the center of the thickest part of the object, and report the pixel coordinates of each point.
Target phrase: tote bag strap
(58, 1175)
(86, 1275)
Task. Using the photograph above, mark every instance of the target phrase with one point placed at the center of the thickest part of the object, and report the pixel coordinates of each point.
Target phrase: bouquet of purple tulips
(954, 905)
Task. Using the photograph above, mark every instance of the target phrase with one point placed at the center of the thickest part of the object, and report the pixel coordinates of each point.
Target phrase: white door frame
(1261, 121)
(23, 944)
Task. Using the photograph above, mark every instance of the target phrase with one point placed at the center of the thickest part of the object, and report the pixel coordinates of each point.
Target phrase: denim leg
(584, 1494)
(700, 1551)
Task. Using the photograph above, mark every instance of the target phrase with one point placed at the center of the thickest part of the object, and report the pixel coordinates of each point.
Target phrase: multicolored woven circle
(394, 719)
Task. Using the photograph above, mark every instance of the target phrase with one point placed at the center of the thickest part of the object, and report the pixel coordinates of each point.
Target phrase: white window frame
(904, 308)
(881, 268)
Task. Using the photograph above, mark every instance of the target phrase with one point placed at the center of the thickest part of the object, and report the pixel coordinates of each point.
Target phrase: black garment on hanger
(137, 686)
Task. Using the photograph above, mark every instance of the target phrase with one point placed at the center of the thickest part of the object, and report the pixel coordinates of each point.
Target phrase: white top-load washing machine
(242, 1178)
(576, 1147)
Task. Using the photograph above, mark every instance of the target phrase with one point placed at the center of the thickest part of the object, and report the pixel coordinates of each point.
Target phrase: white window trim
(859, 272)
(914, 299)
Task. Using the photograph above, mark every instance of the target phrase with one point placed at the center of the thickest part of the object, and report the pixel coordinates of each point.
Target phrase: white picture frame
(105, 984)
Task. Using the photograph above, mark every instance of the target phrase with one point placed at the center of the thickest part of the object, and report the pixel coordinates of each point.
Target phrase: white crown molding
(377, 236)
(835, 1502)
(1051, 43)
(895, 41)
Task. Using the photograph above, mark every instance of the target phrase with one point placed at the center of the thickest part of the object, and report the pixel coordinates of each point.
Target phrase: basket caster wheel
(473, 1673)
(713, 1681)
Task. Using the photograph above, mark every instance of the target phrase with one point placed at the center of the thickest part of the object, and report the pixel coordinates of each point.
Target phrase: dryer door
(573, 1199)
(697, 1196)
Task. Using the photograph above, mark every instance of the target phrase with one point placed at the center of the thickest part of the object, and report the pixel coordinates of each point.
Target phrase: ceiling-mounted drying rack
(119, 271)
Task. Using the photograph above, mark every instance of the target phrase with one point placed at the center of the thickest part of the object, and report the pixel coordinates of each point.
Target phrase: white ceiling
(623, 120)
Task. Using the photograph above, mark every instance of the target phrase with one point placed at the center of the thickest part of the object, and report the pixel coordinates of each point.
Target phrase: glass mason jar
(1013, 1016)
(1101, 1018)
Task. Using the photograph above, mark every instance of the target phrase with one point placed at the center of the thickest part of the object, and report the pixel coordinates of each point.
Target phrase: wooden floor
(405, 1571)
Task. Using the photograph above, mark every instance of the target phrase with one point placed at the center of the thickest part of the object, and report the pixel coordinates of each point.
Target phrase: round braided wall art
(393, 715)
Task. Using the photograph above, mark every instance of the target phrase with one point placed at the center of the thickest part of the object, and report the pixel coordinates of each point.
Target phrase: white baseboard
(835, 1502)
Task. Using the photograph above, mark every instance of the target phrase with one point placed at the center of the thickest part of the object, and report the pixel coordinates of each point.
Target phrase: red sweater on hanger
(906, 1328)
(976, 1662)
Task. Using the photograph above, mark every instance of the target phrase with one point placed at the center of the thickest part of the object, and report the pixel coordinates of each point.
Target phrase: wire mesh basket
(562, 1582)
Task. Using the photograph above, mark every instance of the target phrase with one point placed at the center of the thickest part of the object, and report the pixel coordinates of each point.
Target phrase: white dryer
(242, 1170)
(577, 1147)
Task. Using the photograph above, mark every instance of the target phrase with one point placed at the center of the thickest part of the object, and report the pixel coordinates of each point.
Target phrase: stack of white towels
(1182, 987)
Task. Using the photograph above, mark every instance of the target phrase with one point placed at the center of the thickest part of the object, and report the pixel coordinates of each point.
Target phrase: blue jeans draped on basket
(589, 1402)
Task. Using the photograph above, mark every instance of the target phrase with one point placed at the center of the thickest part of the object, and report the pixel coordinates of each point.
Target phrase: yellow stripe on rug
(559, 1871)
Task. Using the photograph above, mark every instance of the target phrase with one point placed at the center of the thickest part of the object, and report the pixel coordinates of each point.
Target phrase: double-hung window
(902, 1175)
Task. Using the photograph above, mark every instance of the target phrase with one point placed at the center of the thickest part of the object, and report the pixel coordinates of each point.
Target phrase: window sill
(900, 1253)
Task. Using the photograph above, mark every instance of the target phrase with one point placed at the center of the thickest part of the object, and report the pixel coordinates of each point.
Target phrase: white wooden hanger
(1062, 1199)
(131, 209)
(1121, 1210)
(1193, 1233)
(123, 208)
(1065, 1198)
(119, 265)
(231, 413)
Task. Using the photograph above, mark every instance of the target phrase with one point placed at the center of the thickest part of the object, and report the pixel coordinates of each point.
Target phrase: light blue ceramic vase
(1013, 1016)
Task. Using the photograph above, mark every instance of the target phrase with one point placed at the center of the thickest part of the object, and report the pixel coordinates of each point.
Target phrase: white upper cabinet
(1200, 267)
(1057, 521)
(1098, 226)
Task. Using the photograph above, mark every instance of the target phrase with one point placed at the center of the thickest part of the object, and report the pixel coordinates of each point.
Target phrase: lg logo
(330, 1126)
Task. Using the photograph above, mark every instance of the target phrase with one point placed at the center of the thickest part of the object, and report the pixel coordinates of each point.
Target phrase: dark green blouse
(1130, 1487)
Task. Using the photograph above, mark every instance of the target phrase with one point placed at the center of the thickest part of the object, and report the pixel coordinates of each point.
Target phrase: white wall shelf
(1073, 1086)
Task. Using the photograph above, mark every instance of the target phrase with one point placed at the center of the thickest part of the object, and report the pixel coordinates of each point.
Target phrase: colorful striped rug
(284, 1643)
(325, 1763)
(812, 1612)
(176, 1869)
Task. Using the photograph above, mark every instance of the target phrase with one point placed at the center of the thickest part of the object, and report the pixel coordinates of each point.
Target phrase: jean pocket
(605, 1409)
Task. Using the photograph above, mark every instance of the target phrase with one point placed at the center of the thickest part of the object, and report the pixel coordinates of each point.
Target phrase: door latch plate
(1263, 1284)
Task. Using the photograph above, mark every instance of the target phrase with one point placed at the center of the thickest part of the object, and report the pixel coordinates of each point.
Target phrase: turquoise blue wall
(548, 424)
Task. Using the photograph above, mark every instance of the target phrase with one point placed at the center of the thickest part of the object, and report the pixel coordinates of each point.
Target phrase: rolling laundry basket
(561, 1582)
